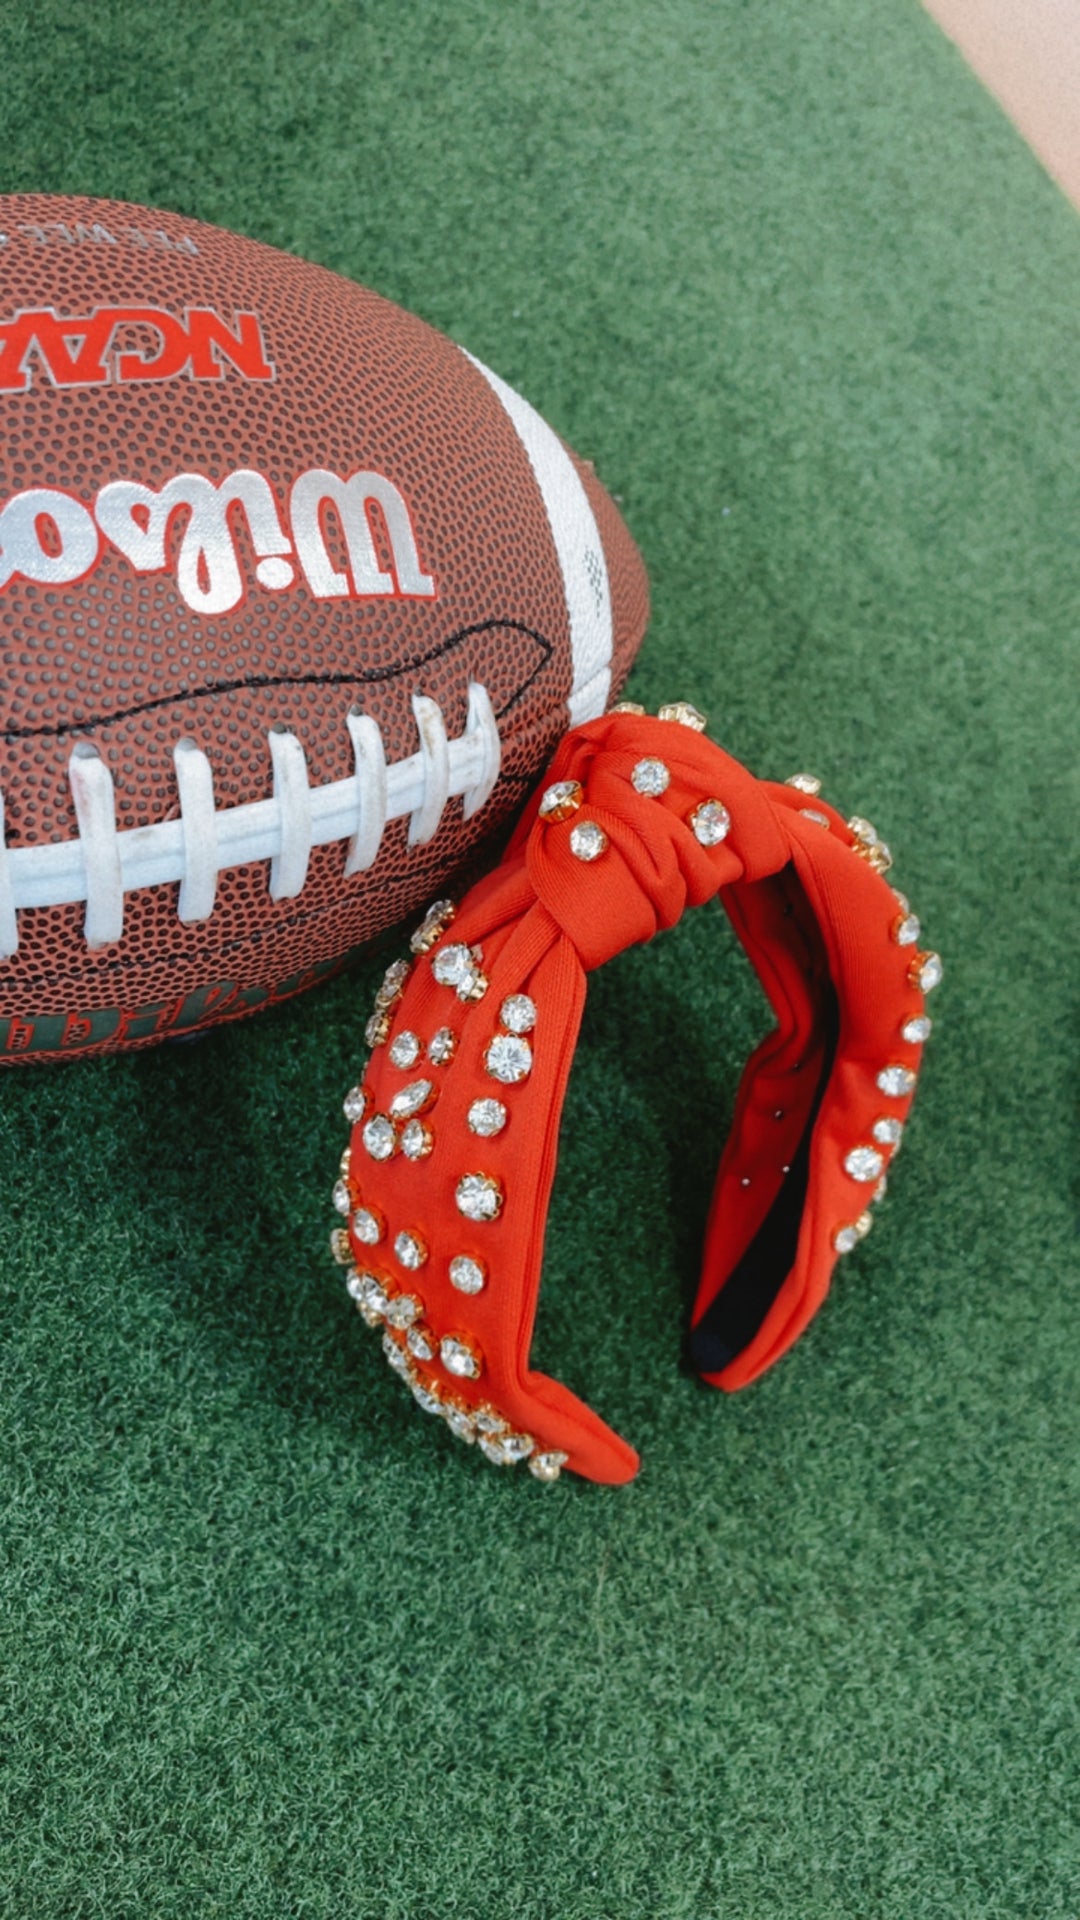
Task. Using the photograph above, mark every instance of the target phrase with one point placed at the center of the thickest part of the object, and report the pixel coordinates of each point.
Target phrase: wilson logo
(119, 345)
(347, 539)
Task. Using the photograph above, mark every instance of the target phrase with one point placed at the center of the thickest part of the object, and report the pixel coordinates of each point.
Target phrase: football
(296, 598)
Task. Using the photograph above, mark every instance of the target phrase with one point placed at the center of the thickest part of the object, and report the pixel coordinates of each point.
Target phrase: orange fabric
(816, 921)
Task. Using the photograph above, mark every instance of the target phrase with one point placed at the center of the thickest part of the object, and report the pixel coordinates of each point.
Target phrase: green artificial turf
(275, 1648)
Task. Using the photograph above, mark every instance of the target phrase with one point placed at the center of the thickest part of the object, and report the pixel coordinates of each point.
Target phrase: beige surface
(1028, 53)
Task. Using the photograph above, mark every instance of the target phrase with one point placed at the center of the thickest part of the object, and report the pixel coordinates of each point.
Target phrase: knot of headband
(446, 1181)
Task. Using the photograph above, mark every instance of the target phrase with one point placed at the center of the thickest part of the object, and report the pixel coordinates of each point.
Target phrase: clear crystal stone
(427, 1401)
(441, 1046)
(368, 1226)
(416, 1140)
(518, 1013)
(377, 1029)
(379, 1137)
(459, 1358)
(926, 972)
(710, 823)
(587, 841)
(650, 777)
(340, 1248)
(396, 1355)
(917, 1030)
(906, 929)
(405, 1050)
(355, 1104)
(684, 714)
(864, 1163)
(863, 830)
(488, 1421)
(460, 1423)
(888, 1133)
(863, 1224)
(508, 1058)
(466, 1274)
(393, 983)
(411, 1250)
(479, 1196)
(804, 783)
(819, 819)
(562, 799)
(548, 1466)
(506, 1449)
(454, 966)
(627, 706)
(340, 1197)
(403, 1310)
(421, 1343)
(897, 1082)
(435, 920)
(411, 1099)
(486, 1117)
(844, 1239)
(371, 1293)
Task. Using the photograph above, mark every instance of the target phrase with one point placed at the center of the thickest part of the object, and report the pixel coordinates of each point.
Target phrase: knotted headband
(446, 1181)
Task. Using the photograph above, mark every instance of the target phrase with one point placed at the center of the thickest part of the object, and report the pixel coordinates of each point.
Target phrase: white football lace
(103, 864)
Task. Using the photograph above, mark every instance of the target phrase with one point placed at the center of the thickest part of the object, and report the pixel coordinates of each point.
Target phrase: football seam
(375, 676)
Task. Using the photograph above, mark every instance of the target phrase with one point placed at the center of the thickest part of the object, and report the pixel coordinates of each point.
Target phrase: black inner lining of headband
(733, 1318)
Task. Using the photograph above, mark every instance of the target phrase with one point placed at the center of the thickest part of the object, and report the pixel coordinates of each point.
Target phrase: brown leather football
(296, 598)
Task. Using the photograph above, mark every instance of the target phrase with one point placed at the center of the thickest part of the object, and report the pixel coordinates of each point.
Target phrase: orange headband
(448, 1175)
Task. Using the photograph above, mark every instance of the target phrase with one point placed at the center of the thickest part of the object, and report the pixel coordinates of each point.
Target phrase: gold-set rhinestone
(486, 1118)
(368, 1225)
(864, 1163)
(416, 1098)
(379, 1137)
(508, 1058)
(561, 800)
(847, 1237)
(684, 715)
(393, 985)
(627, 706)
(421, 1343)
(479, 1196)
(926, 972)
(417, 1140)
(547, 1466)
(340, 1248)
(804, 783)
(404, 1050)
(917, 1030)
(403, 1310)
(467, 1274)
(345, 1162)
(340, 1197)
(355, 1104)
(377, 1030)
(588, 841)
(458, 966)
(411, 1249)
(460, 1357)
(650, 777)
(433, 925)
(710, 823)
(442, 1046)
(869, 845)
(906, 929)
